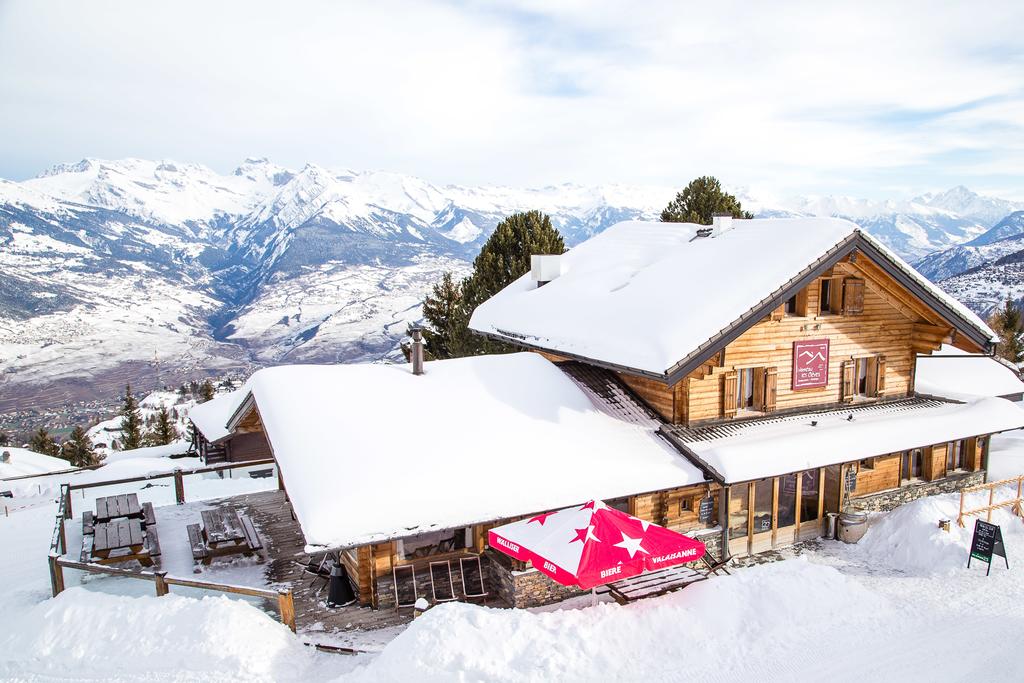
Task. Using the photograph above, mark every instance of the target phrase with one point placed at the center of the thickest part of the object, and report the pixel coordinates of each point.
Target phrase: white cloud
(779, 95)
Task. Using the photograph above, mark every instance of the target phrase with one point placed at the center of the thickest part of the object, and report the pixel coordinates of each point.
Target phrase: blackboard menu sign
(987, 542)
(705, 508)
(851, 479)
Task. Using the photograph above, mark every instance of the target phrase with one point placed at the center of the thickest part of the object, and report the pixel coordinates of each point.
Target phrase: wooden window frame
(956, 456)
(907, 457)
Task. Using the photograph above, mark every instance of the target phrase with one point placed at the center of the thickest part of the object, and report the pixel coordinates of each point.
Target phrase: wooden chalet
(766, 366)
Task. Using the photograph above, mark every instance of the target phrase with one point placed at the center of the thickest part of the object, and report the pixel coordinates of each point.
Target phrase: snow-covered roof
(371, 452)
(211, 418)
(956, 374)
(25, 462)
(645, 295)
(767, 447)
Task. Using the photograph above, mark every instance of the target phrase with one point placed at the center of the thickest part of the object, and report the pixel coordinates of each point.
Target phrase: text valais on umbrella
(593, 544)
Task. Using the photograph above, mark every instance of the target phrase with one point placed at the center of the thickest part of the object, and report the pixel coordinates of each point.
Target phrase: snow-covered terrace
(372, 452)
(767, 447)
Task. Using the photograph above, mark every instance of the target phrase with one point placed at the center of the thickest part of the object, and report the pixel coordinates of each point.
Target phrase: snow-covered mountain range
(156, 270)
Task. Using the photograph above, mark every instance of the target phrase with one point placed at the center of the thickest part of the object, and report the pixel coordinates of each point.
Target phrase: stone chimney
(417, 351)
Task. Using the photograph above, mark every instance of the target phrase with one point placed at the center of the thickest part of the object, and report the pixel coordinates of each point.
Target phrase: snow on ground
(901, 605)
(1006, 455)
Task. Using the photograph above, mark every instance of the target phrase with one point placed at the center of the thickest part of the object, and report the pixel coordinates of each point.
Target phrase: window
(913, 462)
(435, 543)
(868, 464)
(825, 297)
(787, 500)
(809, 486)
(620, 504)
(791, 305)
(745, 389)
(861, 374)
(955, 455)
(763, 494)
(739, 507)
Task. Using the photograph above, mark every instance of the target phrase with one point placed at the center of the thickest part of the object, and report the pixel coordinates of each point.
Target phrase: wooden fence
(1013, 503)
(58, 548)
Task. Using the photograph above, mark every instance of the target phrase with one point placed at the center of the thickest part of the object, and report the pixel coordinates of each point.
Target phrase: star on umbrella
(588, 506)
(585, 534)
(630, 545)
(541, 518)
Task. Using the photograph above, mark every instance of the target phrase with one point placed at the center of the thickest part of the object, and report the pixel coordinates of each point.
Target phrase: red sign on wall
(810, 363)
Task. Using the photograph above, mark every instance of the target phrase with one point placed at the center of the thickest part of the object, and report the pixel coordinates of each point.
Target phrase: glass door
(810, 504)
(739, 519)
(763, 515)
(785, 524)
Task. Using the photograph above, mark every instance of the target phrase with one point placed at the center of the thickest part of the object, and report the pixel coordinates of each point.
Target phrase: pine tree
(206, 392)
(78, 449)
(5, 438)
(164, 431)
(700, 201)
(131, 421)
(504, 258)
(42, 442)
(1007, 323)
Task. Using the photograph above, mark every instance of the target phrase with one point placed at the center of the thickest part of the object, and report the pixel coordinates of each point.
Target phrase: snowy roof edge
(956, 313)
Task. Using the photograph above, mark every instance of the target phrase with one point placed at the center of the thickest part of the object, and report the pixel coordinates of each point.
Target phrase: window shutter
(779, 313)
(757, 375)
(880, 375)
(847, 389)
(853, 296)
(729, 394)
(801, 302)
(972, 458)
(771, 391)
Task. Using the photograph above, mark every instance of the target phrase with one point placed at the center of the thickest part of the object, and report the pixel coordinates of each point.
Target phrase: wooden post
(63, 535)
(161, 583)
(68, 514)
(179, 487)
(991, 499)
(56, 576)
(286, 605)
(960, 517)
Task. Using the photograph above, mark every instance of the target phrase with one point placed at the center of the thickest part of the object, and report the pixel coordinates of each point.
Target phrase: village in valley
(709, 441)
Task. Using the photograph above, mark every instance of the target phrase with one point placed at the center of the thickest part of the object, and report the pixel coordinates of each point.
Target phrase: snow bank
(696, 634)
(909, 540)
(471, 440)
(136, 467)
(85, 634)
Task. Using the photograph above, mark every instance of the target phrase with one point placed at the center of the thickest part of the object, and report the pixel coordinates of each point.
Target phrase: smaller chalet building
(765, 368)
(212, 440)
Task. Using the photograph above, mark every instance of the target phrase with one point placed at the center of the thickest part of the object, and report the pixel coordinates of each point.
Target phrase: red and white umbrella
(592, 544)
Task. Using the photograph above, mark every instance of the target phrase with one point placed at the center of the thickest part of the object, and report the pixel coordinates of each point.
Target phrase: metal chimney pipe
(417, 351)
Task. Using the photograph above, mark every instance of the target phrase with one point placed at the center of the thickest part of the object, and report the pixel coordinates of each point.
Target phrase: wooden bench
(195, 537)
(148, 516)
(653, 583)
(152, 542)
(251, 537)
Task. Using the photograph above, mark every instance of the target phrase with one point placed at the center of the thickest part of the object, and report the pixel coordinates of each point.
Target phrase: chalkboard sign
(704, 510)
(986, 542)
(851, 479)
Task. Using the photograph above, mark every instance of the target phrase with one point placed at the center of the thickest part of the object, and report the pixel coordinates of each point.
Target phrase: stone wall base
(886, 501)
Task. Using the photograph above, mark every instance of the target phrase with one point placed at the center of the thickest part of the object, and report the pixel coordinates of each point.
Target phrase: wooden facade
(868, 318)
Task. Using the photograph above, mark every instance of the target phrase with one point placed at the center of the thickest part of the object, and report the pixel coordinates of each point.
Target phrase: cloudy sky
(871, 99)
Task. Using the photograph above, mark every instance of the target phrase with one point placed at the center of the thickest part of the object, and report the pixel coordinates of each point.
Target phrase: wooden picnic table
(123, 505)
(120, 540)
(224, 532)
